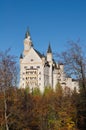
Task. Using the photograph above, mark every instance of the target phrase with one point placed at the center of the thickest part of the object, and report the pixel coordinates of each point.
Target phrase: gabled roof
(40, 55)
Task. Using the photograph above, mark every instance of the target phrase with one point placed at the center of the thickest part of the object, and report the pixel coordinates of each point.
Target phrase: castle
(38, 70)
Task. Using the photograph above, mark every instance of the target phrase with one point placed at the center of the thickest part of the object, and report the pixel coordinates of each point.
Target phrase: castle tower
(49, 54)
(50, 60)
(27, 43)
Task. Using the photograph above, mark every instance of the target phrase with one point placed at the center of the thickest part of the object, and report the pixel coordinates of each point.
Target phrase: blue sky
(54, 21)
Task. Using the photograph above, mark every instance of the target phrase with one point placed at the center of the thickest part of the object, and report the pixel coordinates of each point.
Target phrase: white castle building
(38, 70)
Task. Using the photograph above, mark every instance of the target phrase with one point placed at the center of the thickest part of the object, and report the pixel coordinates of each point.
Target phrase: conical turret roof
(27, 34)
(49, 49)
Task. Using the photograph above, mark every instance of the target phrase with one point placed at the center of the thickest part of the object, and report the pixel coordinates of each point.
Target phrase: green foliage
(27, 89)
(48, 90)
(59, 89)
(36, 91)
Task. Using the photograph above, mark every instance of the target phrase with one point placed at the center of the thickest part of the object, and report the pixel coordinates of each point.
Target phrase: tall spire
(27, 33)
(49, 49)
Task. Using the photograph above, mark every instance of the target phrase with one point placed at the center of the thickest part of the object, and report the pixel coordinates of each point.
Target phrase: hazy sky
(54, 21)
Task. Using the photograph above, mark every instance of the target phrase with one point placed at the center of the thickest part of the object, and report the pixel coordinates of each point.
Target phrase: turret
(50, 61)
(49, 53)
(27, 42)
(21, 57)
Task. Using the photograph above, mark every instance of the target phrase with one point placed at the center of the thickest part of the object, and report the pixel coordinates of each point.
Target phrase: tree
(36, 92)
(8, 72)
(75, 63)
(74, 60)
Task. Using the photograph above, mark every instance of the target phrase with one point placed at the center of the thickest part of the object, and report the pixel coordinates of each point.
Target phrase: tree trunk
(5, 111)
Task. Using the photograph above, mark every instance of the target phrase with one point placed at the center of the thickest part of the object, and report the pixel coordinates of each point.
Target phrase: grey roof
(55, 64)
(21, 56)
(40, 55)
(49, 49)
(61, 63)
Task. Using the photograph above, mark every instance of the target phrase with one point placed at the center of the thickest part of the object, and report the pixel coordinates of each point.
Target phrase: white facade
(37, 70)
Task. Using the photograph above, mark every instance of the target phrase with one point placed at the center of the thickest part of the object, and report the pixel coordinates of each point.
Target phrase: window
(39, 78)
(59, 79)
(31, 72)
(38, 66)
(31, 67)
(34, 72)
(31, 60)
(25, 67)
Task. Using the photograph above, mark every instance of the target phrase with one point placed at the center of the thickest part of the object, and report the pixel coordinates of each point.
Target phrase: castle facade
(38, 70)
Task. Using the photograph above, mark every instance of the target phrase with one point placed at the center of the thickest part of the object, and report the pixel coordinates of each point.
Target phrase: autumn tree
(8, 72)
(75, 63)
(74, 60)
